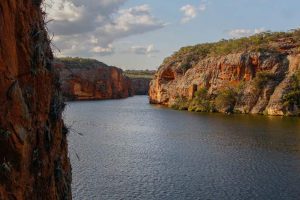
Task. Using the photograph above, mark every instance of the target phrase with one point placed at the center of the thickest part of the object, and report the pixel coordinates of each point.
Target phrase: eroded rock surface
(34, 161)
(261, 79)
(140, 86)
(92, 80)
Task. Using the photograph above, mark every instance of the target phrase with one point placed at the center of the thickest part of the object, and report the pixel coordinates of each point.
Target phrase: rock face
(86, 79)
(140, 80)
(140, 86)
(257, 81)
(34, 160)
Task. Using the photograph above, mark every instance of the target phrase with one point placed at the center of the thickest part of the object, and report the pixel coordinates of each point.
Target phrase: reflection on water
(133, 150)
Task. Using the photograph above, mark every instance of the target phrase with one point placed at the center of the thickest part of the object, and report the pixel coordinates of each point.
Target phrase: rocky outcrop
(258, 81)
(140, 86)
(34, 160)
(87, 79)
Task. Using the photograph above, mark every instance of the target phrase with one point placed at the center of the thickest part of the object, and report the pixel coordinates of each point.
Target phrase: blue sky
(154, 29)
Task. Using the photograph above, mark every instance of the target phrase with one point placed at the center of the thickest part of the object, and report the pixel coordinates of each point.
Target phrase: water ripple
(132, 150)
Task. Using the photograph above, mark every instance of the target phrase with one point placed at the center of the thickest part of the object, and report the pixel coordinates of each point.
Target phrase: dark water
(132, 150)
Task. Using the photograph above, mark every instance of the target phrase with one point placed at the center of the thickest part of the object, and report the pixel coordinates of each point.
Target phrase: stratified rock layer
(179, 78)
(34, 160)
(92, 80)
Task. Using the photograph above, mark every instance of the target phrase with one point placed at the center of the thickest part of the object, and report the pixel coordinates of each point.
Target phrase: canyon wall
(140, 80)
(140, 86)
(34, 161)
(259, 75)
(88, 79)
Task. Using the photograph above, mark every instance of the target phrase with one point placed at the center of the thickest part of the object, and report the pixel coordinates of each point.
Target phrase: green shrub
(186, 63)
(262, 78)
(76, 62)
(292, 97)
(225, 100)
(185, 66)
(181, 103)
(201, 93)
(201, 102)
(200, 105)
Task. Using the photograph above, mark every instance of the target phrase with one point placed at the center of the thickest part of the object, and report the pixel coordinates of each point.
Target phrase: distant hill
(140, 73)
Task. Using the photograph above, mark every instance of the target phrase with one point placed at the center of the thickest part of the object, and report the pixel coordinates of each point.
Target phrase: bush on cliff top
(80, 62)
(258, 42)
(77, 59)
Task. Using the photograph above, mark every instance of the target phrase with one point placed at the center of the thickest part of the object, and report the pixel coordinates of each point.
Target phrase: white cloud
(65, 10)
(237, 33)
(144, 50)
(190, 12)
(136, 20)
(103, 51)
(89, 28)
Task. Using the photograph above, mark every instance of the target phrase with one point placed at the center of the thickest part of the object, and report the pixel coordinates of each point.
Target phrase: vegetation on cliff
(256, 74)
(292, 97)
(77, 62)
(34, 161)
(225, 99)
(265, 41)
(201, 102)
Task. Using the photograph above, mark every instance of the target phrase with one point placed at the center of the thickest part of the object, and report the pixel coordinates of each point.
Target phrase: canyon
(34, 161)
(258, 75)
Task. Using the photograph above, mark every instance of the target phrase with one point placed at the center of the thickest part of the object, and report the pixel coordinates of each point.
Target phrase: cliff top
(283, 42)
(76, 62)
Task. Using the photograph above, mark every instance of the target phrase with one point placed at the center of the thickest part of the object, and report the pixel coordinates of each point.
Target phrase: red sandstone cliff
(87, 79)
(259, 74)
(34, 160)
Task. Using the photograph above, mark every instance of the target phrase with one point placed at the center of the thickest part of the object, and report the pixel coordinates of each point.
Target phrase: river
(129, 149)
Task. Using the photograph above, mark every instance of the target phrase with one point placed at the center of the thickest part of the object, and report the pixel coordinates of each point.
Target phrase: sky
(139, 34)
